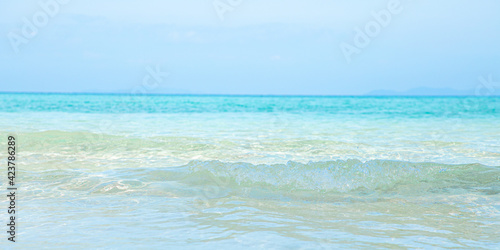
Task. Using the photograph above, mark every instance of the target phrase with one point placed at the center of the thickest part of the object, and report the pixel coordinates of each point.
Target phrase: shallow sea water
(193, 172)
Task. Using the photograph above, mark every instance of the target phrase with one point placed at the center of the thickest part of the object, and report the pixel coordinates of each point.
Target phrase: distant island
(420, 91)
(426, 91)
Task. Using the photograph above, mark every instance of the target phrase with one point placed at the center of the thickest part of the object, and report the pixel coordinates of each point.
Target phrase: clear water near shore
(114, 171)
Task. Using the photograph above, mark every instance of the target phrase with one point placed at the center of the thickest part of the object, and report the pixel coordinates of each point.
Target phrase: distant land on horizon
(426, 91)
(420, 91)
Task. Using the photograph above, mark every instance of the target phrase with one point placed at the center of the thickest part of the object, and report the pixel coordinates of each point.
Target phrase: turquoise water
(119, 171)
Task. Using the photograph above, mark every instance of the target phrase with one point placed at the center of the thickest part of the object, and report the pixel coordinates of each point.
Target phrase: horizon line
(229, 95)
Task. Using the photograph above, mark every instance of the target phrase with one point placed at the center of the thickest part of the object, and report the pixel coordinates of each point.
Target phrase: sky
(248, 47)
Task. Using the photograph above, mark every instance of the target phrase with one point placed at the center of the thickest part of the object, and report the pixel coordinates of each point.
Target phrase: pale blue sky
(261, 46)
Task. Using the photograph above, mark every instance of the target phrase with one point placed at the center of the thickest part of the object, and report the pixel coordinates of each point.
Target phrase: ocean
(230, 172)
